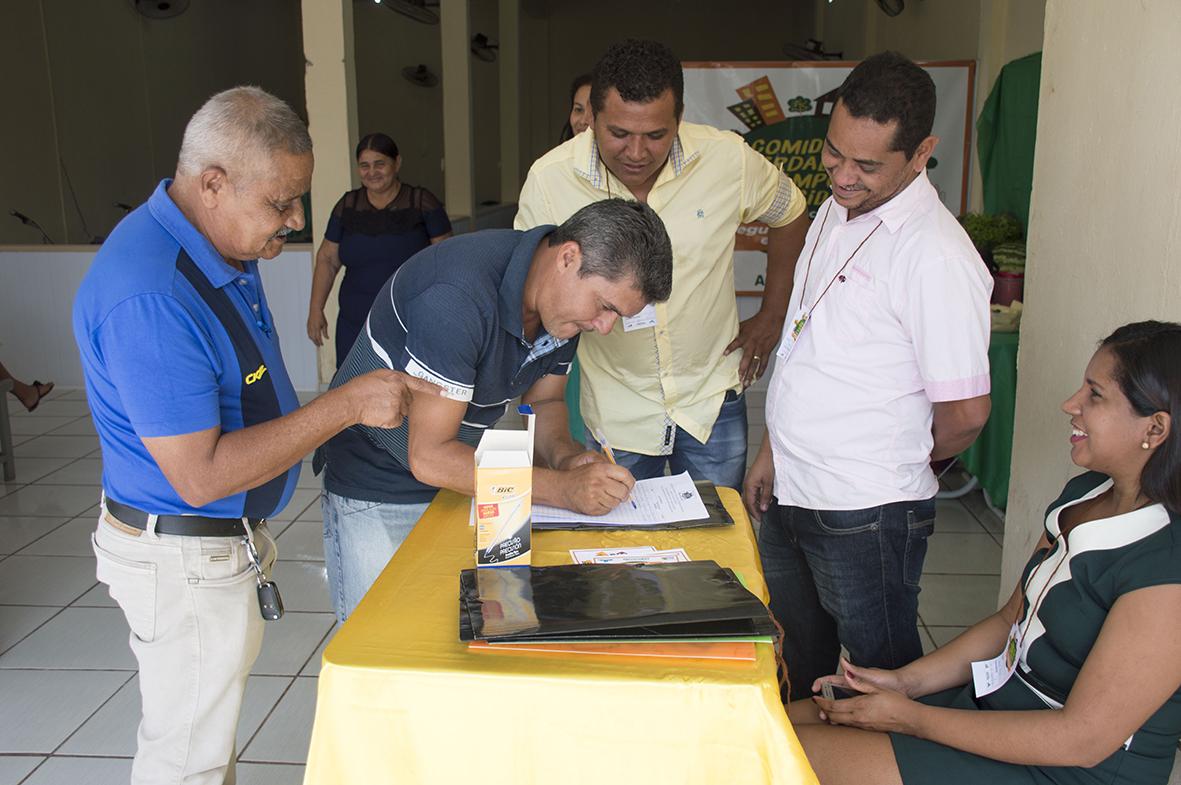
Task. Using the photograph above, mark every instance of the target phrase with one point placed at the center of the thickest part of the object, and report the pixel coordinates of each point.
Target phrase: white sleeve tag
(645, 318)
(455, 392)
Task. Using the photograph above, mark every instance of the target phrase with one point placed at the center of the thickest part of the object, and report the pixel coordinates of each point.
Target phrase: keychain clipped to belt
(270, 604)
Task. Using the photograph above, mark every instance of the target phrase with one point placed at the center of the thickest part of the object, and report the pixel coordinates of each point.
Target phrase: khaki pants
(196, 629)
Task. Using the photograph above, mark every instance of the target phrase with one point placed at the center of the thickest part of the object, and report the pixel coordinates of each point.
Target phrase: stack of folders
(688, 609)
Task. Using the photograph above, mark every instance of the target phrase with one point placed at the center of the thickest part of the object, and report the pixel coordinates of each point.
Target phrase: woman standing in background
(372, 231)
(581, 114)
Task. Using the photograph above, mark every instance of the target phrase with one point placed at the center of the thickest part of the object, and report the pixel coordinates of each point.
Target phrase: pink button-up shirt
(904, 326)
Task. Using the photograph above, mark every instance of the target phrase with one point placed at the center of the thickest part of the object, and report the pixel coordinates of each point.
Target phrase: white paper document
(658, 500)
(588, 555)
(652, 557)
(638, 554)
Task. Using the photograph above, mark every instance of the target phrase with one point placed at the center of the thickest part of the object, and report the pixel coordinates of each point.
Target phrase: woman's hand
(317, 327)
(860, 679)
(883, 705)
(878, 710)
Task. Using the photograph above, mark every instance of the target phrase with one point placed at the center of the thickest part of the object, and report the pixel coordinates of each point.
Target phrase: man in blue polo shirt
(201, 432)
(486, 317)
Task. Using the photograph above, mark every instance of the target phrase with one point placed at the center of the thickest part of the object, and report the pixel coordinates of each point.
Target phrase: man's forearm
(552, 441)
(950, 444)
(453, 466)
(956, 424)
(450, 465)
(246, 458)
(784, 244)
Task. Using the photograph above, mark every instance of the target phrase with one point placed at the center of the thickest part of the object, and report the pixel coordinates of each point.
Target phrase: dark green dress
(1105, 559)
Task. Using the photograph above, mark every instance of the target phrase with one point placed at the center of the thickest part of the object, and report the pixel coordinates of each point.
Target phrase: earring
(1144, 445)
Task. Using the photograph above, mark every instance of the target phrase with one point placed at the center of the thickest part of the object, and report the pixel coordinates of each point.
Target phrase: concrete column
(330, 85)
(510, 100)
(1094, 263)
(458, 154)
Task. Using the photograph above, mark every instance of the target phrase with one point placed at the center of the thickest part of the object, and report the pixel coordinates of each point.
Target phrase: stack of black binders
(695, 600)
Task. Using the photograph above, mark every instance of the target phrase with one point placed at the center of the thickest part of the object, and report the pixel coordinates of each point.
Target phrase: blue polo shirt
(450, 315)
(174, 340)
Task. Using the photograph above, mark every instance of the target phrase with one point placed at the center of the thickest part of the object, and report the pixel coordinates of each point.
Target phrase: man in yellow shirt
(665, 386)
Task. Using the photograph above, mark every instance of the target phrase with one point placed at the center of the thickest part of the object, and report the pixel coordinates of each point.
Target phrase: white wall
(1105, 224)
(104, 92)
(37, 291)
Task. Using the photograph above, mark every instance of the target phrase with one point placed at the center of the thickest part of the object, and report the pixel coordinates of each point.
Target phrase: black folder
(589, 602)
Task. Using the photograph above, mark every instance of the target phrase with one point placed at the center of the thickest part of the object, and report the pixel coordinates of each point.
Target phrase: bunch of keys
(270, 604)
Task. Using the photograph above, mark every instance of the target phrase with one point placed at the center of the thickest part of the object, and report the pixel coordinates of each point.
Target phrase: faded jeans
(360, 538)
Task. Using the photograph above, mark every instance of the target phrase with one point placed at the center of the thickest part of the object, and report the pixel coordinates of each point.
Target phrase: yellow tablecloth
(402, 700)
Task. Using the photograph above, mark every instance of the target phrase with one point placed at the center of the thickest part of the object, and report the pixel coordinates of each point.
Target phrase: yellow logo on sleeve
(251, 378)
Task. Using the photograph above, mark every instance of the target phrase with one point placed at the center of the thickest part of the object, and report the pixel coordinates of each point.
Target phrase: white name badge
(792, 334)
(988, 676)
(645, 318)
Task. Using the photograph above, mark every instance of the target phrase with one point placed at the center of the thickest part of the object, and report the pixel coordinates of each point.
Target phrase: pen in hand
(602, 440)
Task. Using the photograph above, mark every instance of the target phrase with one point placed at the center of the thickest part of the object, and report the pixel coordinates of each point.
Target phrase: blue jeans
(721, 460)
(359, 539)
(845, 577)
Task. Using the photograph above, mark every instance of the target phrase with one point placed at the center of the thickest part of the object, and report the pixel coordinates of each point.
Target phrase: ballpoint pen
(602, 440)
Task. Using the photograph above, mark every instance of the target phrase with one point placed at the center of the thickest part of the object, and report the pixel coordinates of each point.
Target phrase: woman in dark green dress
(1093, 694)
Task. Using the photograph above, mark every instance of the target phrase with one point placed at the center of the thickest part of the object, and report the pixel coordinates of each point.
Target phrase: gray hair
(239, 129)
(620, 238)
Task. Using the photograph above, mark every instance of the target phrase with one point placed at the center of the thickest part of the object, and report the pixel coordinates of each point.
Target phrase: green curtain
(1005, 134)
(988, 458)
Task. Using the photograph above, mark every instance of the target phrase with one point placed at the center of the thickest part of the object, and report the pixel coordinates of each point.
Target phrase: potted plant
(1009, 275)
(998, 240)
(988, 231)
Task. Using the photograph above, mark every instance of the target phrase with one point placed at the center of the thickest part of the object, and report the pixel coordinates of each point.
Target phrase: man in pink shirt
(882, 368)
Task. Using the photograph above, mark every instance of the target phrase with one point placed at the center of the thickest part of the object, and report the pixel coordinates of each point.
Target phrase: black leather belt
(183, 525)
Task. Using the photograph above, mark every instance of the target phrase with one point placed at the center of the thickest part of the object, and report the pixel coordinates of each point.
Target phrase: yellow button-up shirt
(638, 385)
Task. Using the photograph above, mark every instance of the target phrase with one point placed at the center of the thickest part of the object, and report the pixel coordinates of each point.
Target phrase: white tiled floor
(70, 702)
(70, 695)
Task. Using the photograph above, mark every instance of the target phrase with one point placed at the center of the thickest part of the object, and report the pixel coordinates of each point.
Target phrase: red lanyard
(808, 269)
(1042, 594)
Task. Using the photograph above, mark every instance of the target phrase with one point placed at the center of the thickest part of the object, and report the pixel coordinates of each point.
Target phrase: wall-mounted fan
(160, 9)
(484, 48)
(418, 10)
(420, 75)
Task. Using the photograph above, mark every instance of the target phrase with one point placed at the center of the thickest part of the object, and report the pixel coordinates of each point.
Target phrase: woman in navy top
(1085, 658)
(372, 231)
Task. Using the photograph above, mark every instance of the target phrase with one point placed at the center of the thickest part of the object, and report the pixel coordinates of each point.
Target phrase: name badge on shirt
(792, 334)
(988, 676)
(645, 318)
